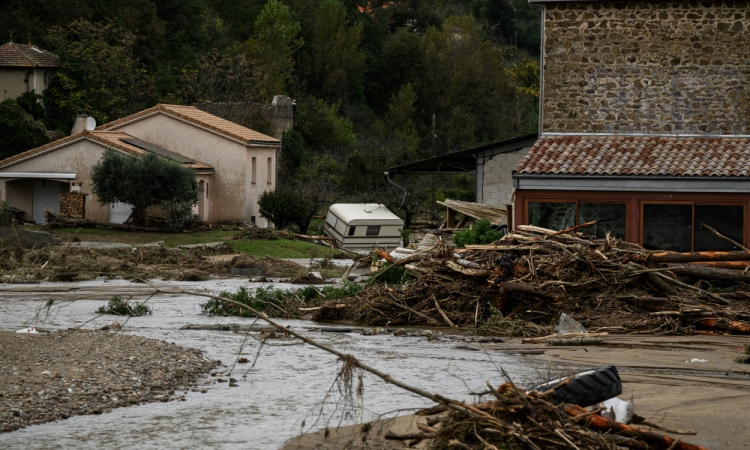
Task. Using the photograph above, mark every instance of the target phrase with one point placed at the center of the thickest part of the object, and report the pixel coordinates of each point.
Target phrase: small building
(362, 226)
(233, 164)
(25, 68)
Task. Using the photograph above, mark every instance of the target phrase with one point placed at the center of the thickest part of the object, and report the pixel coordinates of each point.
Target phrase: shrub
(276, 302)
(285, 207)
(121, 307)
(179, 215)
(481, 233)
(6, 217)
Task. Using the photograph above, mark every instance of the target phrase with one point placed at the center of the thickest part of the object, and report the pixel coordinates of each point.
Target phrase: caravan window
(331, 219)
(373, 230)
(351, 231)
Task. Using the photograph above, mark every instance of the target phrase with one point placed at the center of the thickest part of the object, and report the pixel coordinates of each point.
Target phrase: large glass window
(552, 215)
(610, 217)
(668, 227)
(728, 220)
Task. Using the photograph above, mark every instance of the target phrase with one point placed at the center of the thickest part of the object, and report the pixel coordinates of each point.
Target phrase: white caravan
(360, 226)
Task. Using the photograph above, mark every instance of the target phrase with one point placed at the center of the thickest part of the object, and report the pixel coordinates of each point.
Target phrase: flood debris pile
(521, 284)
(515, 419)
(49, 377)
(76, 263)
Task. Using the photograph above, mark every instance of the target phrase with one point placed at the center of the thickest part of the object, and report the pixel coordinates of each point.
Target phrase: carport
(34, 192)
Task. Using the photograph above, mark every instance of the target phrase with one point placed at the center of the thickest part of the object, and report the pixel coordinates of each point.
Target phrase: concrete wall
(75, 158)
(647, 67)
(14, 82)
(497, 187)
(231, 194)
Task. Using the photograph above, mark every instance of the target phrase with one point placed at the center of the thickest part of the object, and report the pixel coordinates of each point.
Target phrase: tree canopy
(142, 182)
(19, 130)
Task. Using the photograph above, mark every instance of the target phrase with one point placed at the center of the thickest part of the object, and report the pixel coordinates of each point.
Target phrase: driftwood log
(673, 257)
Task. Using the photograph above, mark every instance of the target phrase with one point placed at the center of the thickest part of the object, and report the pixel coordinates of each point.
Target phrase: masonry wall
(647, 67)
(497, 188)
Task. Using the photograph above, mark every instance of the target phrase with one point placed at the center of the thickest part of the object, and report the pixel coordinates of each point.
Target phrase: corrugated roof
(638, 155)
(113, 139)
(23, 55)
(200, 118)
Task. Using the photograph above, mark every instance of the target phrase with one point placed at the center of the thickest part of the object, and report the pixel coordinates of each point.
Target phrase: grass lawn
(280, 248)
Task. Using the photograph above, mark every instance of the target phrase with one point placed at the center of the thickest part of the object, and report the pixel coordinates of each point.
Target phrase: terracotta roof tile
(200, 118)
(108, 138)
(632, 155)
(22, 55)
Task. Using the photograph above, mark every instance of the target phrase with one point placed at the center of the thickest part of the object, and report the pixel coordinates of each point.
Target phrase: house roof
(638, 155)
(23, 55)
(464, 161)
(118, 140)
(202, 119)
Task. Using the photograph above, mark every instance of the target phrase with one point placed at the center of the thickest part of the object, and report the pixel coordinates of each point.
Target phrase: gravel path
(47, 377)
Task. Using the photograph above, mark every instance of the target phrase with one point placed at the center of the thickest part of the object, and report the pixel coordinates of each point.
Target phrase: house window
(351, 231)
(206, 189)
(677, 226)
(373, 230)
(728, 220)
(253, 169)
(270, 171)
(610, 217)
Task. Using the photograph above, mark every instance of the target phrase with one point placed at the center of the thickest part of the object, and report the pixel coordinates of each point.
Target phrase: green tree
(19, 130)
(145, 181)
(99, 72)
(322, 127)
(336, 63)
(272, 48)
(285, 207)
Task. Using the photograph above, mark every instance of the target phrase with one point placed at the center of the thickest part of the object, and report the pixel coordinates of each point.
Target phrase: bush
(121, 307)
(6, 217)
(481, 233)
(180, 215)
(285, 207)
(276, 302)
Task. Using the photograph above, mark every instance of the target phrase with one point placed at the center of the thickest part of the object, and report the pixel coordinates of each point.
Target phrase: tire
(586, 388)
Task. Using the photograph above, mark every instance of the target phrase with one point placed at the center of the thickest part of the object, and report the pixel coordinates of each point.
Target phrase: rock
(399, 332)
(115, 326)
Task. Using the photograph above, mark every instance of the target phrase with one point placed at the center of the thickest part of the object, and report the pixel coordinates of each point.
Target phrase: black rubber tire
(586, 388)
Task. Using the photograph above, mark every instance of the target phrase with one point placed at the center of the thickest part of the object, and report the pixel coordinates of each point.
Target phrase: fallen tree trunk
(735, 265)
(711, 273)
(674, 257)
(600, 423)
(721, 324)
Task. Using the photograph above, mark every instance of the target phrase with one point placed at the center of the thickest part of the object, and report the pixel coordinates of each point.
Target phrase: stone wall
(271, 119)
(73, 205)
(647, 67)
(497, 189)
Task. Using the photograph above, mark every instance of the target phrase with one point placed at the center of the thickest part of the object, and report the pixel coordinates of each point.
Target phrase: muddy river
(291, 389)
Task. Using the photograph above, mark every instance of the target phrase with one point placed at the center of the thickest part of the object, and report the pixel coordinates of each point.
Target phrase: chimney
(80, 124)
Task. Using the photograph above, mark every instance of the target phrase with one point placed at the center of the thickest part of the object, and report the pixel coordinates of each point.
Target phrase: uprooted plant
(122, 307)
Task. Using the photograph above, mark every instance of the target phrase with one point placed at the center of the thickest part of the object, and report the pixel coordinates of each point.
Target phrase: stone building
(643, 122)
(25, 68)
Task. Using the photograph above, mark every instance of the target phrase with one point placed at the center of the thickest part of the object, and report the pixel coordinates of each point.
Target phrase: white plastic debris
(31, 330)
(569, 325)
(618, 410)
(697, 360)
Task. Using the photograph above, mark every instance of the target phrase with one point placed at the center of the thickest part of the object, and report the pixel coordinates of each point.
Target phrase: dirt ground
(48, 377)
(711, 397)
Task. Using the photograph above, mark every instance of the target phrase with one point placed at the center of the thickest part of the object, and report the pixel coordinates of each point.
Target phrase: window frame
(577, 201)
(369, 227)
(692, 204)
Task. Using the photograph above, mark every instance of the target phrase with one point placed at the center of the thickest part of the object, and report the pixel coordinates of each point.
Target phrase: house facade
(233, 164)
(644, 123)
(25, 68)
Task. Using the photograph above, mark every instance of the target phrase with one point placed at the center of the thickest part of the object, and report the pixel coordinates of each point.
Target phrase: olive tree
(149, 180)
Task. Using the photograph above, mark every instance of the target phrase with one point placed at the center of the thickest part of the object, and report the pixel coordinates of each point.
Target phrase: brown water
(291, 384)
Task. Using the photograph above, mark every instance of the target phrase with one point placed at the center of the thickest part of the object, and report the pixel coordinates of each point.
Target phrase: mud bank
(48, 377)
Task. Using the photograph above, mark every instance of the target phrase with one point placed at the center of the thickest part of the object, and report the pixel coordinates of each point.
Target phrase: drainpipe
(541, 63)
(406, 192)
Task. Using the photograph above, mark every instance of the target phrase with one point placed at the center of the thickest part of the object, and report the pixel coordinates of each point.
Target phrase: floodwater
(291, 389)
